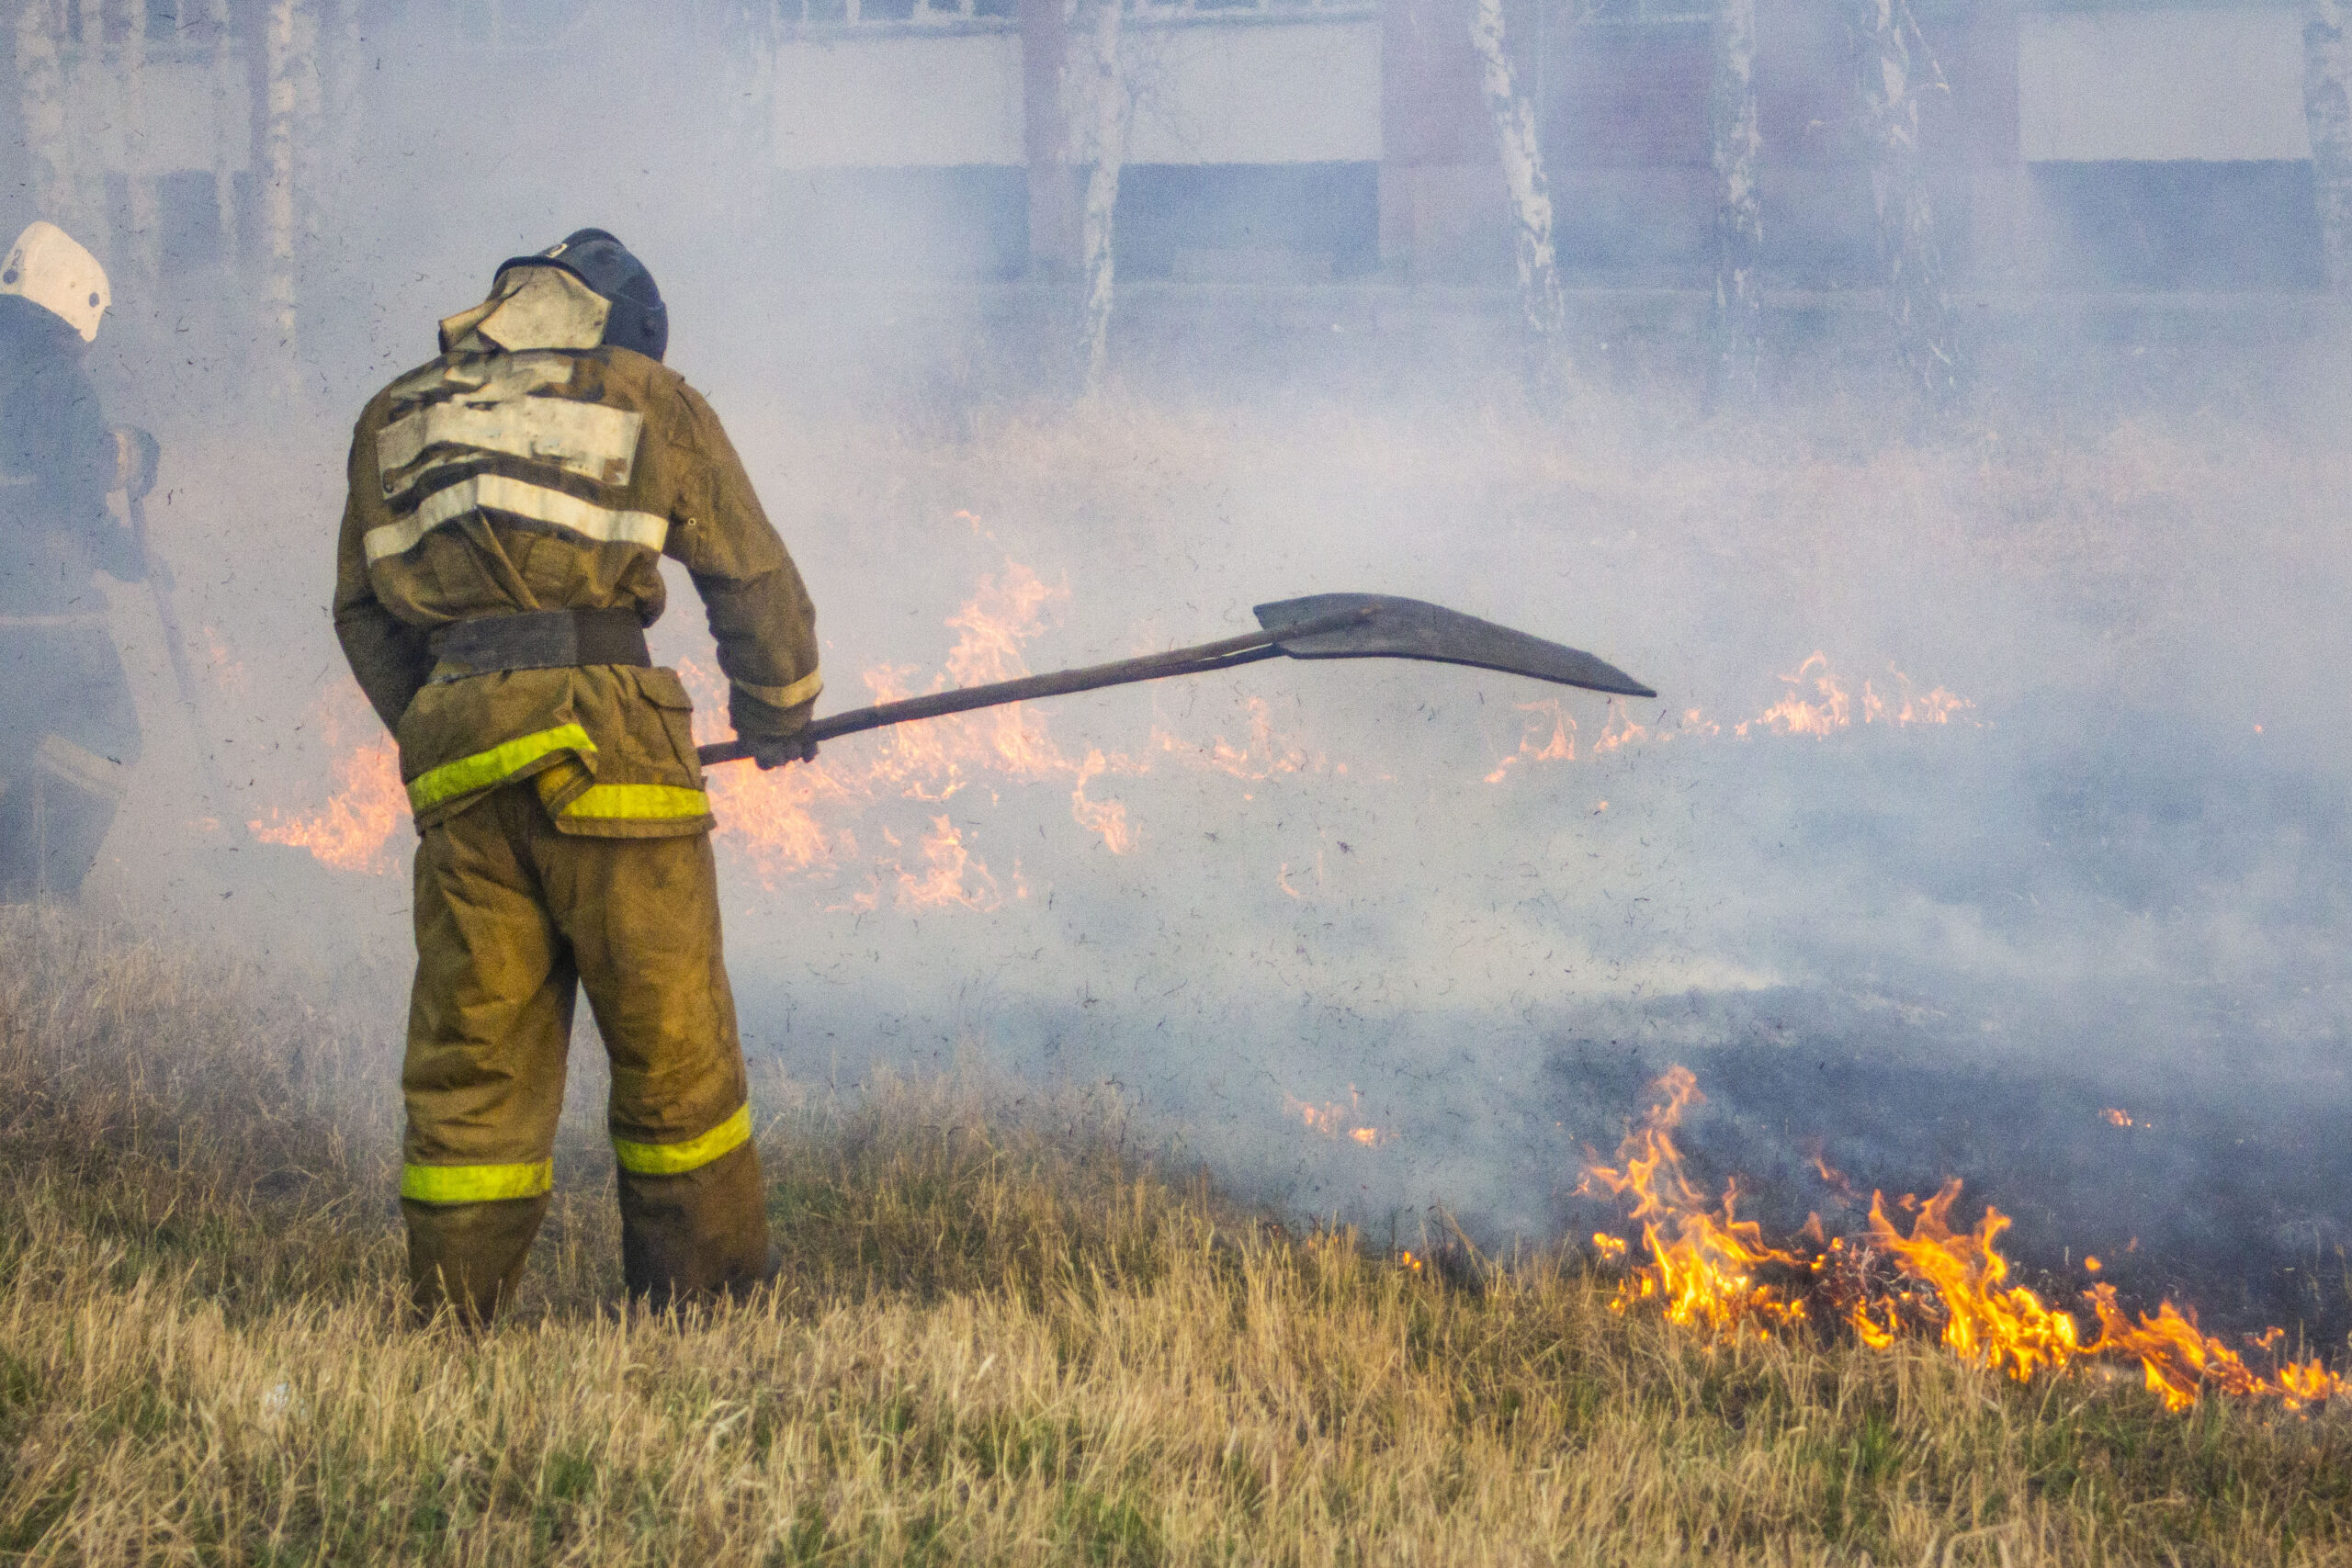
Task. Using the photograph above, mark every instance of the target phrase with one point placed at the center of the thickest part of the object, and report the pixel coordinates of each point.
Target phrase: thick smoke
(2111, 876)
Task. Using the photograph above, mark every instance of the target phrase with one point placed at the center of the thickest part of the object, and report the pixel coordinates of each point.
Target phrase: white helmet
(47, 267)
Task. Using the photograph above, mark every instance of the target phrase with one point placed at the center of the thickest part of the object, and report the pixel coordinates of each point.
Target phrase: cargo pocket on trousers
(667, 695)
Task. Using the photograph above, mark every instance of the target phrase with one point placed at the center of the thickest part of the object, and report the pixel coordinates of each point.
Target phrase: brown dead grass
(1005, 1338)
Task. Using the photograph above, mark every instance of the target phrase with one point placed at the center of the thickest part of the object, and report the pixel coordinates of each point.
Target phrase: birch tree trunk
(41, 79)
(1111, 112)
(1895, 64)
(1530, 195)
(2329, 115)
(290, 43)
(1739, 212)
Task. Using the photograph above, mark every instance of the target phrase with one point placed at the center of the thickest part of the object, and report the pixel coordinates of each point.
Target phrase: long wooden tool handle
(160, 584)
(1195, 660)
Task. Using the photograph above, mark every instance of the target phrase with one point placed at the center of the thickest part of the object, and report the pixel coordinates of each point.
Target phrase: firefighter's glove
(136, 454)
(774, 751)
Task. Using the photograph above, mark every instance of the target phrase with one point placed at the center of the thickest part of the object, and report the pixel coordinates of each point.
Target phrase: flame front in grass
(795, 822)
(2178, 1359)
(1796, 714)
(1704, 1259)
(1952, 1281)
(366, 804)
(353, 831)
(804, 821)
(950, 877)
(780, 820)
(1986, 1319)
(1819, 702)
(1265, 754)
(1560, 745)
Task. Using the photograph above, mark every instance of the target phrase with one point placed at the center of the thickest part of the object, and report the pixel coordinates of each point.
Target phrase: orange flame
(353, 831)
(1955, 1279)
(774, 819)
(1337, 1120)
(1792, 714)
(1819, 702)
(1904, 707)
(951, 875)
(1561, 747)
(1703, 1261)
(2177, 1360)
(1993, 1324)
(1263, 756)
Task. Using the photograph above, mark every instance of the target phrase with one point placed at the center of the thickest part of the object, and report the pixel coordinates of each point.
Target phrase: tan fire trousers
(512, 920)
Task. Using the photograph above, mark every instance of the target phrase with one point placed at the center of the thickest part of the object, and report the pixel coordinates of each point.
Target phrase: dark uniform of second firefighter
(510, 502)
(68, 731)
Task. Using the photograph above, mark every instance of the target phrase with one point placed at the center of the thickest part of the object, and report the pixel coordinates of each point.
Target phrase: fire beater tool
(1322, 625)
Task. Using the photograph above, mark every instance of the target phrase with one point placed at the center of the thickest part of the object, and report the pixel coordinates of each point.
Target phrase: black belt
(540, 639)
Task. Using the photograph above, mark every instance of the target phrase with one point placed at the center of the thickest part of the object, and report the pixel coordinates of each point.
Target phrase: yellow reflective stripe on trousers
(475, 1183)
(671, 1159)
(497, 765)
(639, 803)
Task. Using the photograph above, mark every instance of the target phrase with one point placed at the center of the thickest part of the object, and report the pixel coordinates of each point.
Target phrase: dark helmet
(639, 321)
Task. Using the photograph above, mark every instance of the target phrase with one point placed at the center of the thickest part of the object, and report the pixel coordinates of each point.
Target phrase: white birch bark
(1110, 103)
(1739, 212)
(1895, 64)
(284, 35)
(2327, 65)
(1530, 195)
(41, 80)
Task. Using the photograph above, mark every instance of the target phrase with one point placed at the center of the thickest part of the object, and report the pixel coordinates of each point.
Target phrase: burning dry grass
(1005, 1339)
(1705, 1267)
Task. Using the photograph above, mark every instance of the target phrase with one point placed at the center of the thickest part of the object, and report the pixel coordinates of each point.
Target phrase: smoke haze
(2038, 808)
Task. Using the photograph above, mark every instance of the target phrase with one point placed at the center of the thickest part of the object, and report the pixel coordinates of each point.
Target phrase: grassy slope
(1002, 1341)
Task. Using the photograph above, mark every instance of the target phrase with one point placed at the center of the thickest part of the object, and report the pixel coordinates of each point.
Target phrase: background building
(233, 160)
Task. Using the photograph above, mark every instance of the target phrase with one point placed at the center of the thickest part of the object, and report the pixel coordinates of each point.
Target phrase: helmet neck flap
(638, 321)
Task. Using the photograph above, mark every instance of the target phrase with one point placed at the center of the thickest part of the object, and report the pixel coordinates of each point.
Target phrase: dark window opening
(188, 207)
(2180, 225)
(1248, 223)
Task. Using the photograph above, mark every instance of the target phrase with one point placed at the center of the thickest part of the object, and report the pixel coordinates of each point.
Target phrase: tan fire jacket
(518, 473)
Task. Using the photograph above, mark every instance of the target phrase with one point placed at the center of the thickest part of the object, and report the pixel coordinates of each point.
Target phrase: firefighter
(510, 502)
(68, 731)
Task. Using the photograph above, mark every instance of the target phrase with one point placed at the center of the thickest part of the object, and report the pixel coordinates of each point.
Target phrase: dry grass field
(1004, 1337)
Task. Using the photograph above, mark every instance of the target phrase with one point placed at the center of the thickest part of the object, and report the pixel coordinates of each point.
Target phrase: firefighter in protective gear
(510, 502)
(68, 731)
